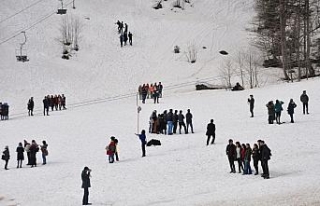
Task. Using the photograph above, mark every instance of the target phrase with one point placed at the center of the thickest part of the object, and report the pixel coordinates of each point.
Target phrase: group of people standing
(31, 151)
(54, 102)
(275, 109)
(124, 35)
(152, 91)
(4, 111)
(111, 150)
(243, 154)
(168, 122)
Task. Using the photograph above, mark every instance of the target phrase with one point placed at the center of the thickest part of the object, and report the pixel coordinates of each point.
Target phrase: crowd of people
(31, 150)
(243, 154)
(124, 35)
(150, 91)
(4, 111)
(168, 122)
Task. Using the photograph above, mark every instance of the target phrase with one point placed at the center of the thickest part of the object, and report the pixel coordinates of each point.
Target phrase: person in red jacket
(111, 149)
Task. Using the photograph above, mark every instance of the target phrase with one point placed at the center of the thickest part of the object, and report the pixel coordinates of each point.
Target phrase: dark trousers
(46, 111)
(143, 148)
(30, 112)
(305, 107)
(181, 124)
(231, 163)
(271, 119)
(251, 111)
(19, 164)
(191, 126)
(213, 138)
(255, 164)
(28, 156)
(85, 198)
(130, 42)
(291, 116)
(240, 165)
(111, 158)
(175, 126)
(278, 115)
(265, 168)
(6, 164)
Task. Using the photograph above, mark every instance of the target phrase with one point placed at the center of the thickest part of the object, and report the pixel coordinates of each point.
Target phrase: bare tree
(226, 73)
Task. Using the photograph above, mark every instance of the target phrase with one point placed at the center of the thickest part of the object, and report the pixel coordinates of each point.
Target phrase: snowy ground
(99, 82)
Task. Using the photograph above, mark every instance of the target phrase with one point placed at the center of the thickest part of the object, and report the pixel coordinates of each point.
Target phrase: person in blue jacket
(278, 108)
(143, 140)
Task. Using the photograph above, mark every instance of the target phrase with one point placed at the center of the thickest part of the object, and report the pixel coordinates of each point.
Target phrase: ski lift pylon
(22, 54)
(62, 10)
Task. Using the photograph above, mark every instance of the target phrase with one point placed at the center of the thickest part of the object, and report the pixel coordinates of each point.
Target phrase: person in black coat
(46, 104)
(290, 109)
(189, 120)
(30, 106)
(20, 155)
(175, 121)
(256, 158)
(251, 103)
(85, 177)
(6, 157)
(231, 153)
(130, 38)
(34, 148)
(265, 157)
(211, 131)
(181, 122)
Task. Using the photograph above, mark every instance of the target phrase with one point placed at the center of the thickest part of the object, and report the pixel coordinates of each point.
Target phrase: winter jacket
(248, 153)
(44, 149)
(169, 116)
(189, 117)
(20, 151)
(255, 154)
(251, 102)
(211, 129)
(271, 110)
(111, 148)
(6, 154)
(181, 118)
(265, 152)
(85, 177)
(231, 151)
(291, 107)
(143, 138)
(243, 153)
(175, 117)
(304, 98)
(278, 106)
(30, 104)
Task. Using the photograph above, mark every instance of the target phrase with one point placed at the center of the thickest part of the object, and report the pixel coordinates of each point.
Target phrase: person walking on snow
(130, 38)
(305, 100)
(30, 106)
(211, 131)
(251, 103)
(143, 140)
(290, 109)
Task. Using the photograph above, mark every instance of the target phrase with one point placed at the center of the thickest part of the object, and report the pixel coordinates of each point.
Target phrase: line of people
(54, 102)
(124, 35)
(242, 154)
(152, 91)
(31, 151)
(168, 122)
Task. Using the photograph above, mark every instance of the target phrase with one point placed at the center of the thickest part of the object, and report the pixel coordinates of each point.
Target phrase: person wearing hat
(251, 103)
(6, 157)
(111, 149)
(85, 177)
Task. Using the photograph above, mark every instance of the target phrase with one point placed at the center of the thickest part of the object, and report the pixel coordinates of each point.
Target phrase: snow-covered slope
(99, 82)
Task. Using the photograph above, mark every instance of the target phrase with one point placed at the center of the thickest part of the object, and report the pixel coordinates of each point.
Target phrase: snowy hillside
(100, 81)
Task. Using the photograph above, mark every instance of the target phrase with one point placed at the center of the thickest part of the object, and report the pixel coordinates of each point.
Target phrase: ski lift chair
(21, 54)
(61, 10)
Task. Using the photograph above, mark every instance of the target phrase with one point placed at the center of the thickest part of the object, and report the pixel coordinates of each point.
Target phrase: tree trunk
(283, 38)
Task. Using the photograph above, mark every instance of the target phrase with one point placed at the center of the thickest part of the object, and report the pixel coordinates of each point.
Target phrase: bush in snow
(178, 4)
(192, 53)
(158, 5)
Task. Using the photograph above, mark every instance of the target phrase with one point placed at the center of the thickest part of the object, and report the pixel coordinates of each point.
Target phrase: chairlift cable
(13, 15)
(30, 27)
